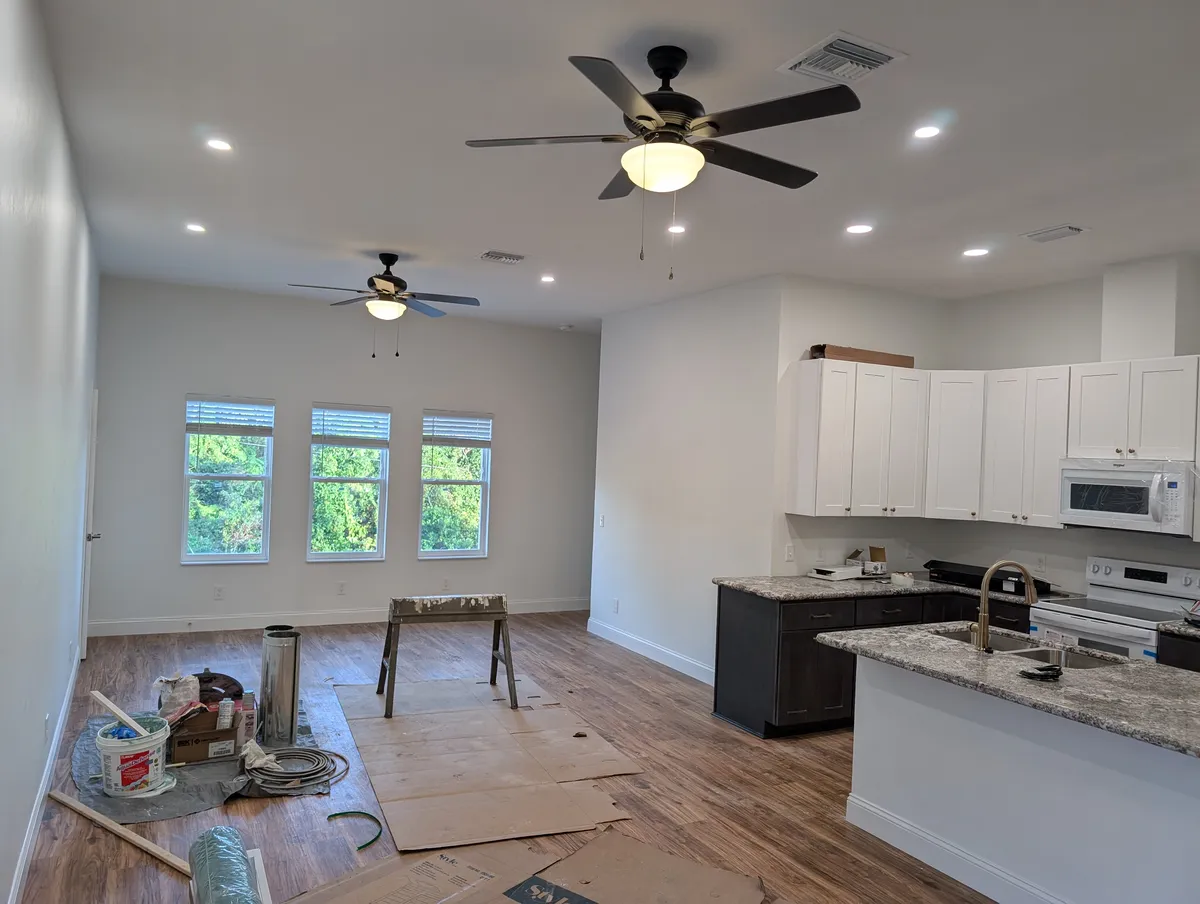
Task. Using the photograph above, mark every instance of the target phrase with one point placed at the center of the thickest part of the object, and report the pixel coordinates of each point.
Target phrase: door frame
(89, 504)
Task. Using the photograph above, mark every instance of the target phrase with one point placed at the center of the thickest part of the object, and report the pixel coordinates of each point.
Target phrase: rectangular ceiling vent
(502, 257)
(842, 58)
(1054, 233)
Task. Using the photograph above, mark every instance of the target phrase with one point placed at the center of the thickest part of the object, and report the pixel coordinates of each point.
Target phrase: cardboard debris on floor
(610, 869)
(456, 765)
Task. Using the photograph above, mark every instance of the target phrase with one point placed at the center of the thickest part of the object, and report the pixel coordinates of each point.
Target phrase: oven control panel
(1164, 580)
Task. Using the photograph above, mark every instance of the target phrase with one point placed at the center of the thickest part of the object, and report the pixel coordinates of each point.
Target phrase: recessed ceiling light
(219, 144)
(859, 229)
(195, 227)
(975, 252)
(547, 278)
(676, 229)
(927, 132)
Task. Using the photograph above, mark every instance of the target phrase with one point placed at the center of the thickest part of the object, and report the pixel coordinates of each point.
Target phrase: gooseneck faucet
(981, 630)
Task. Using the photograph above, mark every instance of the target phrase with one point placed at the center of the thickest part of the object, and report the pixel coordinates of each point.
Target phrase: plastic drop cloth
(221, 871)
(197, 788)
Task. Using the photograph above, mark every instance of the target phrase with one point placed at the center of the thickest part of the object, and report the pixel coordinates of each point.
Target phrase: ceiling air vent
(1053, 233)
(842, 58)
(502, 257)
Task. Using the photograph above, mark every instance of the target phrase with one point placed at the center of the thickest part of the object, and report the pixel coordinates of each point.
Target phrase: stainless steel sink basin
(1065, 658)
(1001, 643)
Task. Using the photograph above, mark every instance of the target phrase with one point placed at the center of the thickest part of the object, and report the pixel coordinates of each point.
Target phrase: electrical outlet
(341, 588)
(820, 556)
(218, 591)
(445, 583)
(602, 521)
(789, 553)
(616, 605)
(1039, 564)
(908, 553)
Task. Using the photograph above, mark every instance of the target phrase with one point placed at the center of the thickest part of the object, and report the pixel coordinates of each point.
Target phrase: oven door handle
(1156, 498)
(1092, 627)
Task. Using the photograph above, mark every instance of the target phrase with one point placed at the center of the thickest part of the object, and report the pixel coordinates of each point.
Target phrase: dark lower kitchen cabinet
(1180, 652)
(962, 607)
(816, 682)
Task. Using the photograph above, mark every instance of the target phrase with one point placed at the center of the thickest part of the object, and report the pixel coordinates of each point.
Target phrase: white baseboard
(184, 623)
(39, 805)
(982, 875)
(651, 650)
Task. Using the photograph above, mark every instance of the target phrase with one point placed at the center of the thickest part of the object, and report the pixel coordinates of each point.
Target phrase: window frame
(379, 554)
(484, 483)
(266, 478)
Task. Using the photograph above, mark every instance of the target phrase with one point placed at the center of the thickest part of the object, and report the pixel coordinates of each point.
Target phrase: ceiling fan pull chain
(397, 337)
(642, 252)
(671, 268)
(372, 340)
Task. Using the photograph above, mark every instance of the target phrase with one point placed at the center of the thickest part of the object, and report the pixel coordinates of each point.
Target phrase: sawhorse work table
(429, 610)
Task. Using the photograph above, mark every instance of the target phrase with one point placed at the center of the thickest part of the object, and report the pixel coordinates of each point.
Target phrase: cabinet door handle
(892, 611)
(839, 706)
(1118, 450)
(1005, 618)
(893, 508)
(1131, 451)
(972, 514)
(823, 615)
(847, 508)
(1024, 517)
(1014, 517)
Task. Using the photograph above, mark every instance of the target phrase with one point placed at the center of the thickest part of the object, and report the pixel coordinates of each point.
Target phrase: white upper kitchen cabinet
(890, 420)
(955, 456)
(906, 443)
(1024, 439)
(1134, 409)
(1046, 405)
(1099, 421)
(1162, 409)
(823, 444)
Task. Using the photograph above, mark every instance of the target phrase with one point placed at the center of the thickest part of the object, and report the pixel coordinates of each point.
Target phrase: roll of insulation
(221, 871)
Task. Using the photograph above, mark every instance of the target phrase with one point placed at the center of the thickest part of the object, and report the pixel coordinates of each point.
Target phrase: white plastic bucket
(135, 766)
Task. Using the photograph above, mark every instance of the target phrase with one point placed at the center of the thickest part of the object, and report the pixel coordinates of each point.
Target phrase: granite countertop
(793, 588)
(1179, 629)
(1138, 699)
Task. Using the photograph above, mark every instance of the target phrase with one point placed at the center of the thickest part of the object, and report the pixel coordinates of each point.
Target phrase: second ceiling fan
(663, 121)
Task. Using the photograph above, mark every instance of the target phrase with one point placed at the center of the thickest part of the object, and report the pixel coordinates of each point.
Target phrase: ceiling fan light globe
(385, 310)
(662, 166)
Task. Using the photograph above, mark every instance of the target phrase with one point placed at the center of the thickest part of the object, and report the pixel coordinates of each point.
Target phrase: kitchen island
(1084, 790)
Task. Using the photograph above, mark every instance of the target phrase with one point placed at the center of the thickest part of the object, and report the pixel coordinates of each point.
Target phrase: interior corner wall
(47, 342)
(684, 456)
(158, 342)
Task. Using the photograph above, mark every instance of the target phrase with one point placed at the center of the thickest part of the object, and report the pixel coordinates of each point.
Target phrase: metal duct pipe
(280, 705)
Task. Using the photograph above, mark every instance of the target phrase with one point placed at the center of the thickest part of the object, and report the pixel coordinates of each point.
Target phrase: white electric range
(1124, 605)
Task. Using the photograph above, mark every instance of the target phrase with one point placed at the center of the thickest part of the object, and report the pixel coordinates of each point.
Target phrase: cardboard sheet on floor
(569, 758)
(615, 869)
(359, 701)
(471, 723)
(425, 823)
(457, 773)
(450, 876)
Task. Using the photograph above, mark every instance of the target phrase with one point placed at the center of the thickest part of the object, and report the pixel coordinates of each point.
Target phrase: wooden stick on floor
(120, 831)
(120, 714)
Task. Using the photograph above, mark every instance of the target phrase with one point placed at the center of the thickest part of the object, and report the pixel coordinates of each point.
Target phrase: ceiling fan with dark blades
(676, 137)
(389, 297)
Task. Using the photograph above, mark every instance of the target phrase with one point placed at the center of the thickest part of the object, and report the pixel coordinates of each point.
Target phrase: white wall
(684, 461)
(47, 342)
(159, 342)
(1056, 324)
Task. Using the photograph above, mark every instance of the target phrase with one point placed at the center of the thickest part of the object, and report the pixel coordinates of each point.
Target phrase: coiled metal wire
(299, 767)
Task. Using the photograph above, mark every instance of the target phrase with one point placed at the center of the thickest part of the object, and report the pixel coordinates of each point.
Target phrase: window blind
(449, 428)
(352, 427)
(230, 417)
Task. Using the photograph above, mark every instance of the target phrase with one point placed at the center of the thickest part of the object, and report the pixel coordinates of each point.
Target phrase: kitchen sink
(1001, 643)
(1065, 658)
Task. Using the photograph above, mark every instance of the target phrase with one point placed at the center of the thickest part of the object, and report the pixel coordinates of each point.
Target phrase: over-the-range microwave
(1128, 494)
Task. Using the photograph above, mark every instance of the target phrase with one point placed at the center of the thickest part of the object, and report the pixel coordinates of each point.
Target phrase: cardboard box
(197, 739)
(862, 355)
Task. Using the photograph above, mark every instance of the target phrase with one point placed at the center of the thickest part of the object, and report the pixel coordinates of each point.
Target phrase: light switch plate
(789, 553)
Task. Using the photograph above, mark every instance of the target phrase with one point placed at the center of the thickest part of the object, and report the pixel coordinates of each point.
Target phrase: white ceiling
(349, 118)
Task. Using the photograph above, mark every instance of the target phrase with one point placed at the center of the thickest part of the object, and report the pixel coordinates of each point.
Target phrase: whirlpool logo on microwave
(537, 890)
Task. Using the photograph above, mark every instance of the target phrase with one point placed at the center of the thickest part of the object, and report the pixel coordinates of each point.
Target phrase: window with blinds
(228, 459)
(456, 469)
(348, 482)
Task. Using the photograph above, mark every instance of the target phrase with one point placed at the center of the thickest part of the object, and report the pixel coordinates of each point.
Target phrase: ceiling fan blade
(351, 300)
(620, 186)
(297, 285)
(548, 139)
(781, 111)
(605, 75)
(423, 308)
(444, 299)
(766, 168)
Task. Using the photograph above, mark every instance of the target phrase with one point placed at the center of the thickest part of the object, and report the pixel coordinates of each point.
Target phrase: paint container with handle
(134, 767)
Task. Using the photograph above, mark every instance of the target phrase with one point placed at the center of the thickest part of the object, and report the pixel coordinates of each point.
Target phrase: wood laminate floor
(710, 792)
